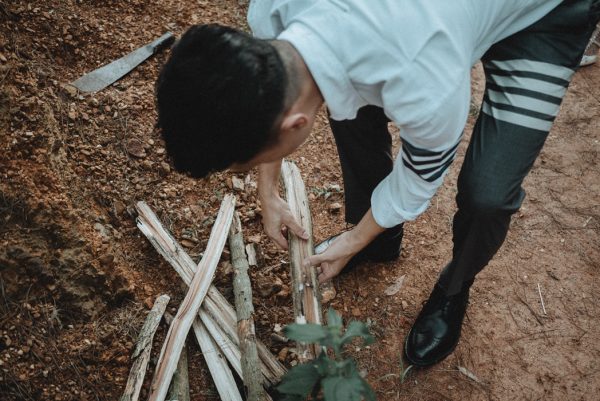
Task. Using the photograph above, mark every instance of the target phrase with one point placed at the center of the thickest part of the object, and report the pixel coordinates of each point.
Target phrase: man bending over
(227, 100)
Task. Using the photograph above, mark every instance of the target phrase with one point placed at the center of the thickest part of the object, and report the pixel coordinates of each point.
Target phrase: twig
(541, 299)
(141, 354)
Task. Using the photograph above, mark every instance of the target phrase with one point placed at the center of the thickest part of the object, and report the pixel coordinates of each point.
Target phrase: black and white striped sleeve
(427, 164)
(406, 192)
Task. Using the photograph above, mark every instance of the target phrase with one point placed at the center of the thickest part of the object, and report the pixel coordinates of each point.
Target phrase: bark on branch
(143, 347)
(245, 314)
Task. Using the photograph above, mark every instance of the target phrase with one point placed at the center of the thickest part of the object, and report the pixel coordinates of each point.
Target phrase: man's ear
(294, 122)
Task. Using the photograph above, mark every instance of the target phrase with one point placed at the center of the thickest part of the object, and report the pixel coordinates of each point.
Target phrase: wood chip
(395, 288)
(469, 374)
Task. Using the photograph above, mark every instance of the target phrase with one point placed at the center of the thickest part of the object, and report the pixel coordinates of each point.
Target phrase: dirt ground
(77, 278)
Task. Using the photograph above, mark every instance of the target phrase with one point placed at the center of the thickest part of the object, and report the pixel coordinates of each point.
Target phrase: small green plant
(326, 192)
(325, 378)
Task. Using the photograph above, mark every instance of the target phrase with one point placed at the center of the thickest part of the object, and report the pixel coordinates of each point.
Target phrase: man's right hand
(278, 218)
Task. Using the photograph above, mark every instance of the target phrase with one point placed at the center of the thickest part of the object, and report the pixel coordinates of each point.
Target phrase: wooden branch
(242, 289)
(178, 331)
(141, 354)
(180, 385)
(305, 285)
(224, 314)
(217, 365)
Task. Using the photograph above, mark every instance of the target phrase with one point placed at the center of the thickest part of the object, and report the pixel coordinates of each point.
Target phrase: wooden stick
(218, 368)
(222, 340)
(305, 286)
(217, 365)
(141, 354)
(180, 385)
(242, 290)
(225, 318)
(178, 331)
(217, 305)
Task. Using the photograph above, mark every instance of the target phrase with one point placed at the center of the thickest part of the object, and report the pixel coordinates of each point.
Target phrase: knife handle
(163, 42)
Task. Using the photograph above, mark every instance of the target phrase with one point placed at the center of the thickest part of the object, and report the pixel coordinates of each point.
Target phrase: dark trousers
(527, 75)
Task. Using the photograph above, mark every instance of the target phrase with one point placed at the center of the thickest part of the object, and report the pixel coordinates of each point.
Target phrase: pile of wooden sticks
(224, 334)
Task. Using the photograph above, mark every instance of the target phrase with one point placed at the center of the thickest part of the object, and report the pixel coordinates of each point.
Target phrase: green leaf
(292, 397)
(324, 365)
(308, 332)
(339, 388)
(333, 318)
(300, 380)
(357, 329)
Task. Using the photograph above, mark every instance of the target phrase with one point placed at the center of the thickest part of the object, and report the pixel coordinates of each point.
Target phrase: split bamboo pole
(305, 285)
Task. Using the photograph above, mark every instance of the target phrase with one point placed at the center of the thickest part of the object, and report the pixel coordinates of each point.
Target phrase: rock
(186, 243)
(268, 285)
(107, 260)
(356, 312)
(165, 168)
(404, 305)
(135, 148)
(237, 184)
(119, 207)
(101, 230)
(282, 355)
(284, 293)
(254, 238)
(328, 292)
(335, 207)
(70, 89)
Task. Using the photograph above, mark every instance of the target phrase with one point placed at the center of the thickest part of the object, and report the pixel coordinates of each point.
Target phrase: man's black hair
(218, 98)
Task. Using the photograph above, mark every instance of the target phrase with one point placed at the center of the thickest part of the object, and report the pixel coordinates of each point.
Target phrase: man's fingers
(279, 239)
(314, 260)
(296, 228)
(325, 275)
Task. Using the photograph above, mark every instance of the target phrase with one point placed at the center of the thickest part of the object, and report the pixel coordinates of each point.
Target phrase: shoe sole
(425, 364)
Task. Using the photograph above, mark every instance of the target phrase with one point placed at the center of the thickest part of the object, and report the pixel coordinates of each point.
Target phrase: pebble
(283, 354)
(335, 207)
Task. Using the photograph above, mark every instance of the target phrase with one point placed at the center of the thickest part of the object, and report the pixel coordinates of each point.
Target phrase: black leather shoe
(436, 330)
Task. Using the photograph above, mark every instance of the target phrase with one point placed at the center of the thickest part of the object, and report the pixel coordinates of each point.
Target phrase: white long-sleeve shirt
(412, 58)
